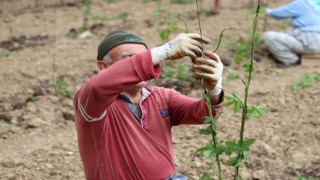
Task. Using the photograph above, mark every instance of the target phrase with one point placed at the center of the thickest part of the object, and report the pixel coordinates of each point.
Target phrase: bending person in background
(123, 125)
(304, 38)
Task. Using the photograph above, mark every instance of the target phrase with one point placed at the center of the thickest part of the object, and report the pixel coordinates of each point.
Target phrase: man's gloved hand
(182, 45)
(210, 70)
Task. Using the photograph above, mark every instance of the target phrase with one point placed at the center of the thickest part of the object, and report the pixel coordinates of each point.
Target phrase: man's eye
(124, 57)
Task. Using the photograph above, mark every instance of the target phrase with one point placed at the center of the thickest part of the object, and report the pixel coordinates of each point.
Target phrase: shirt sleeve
(98, 93)
(291, 10)
(186, 110)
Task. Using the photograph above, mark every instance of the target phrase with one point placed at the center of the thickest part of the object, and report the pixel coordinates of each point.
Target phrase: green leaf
(232, 76)
(122, 16)
(229, 97)
(236, 107)
(207, 153)
(208, 119)
(235, 100)
(61, 89)
(220, 149)
(206, 150)
(247, 66)
(218, 111)
(255, 110)
(251, 113)
(202, 149)
(233, 161)
(240, 55)
(239, 161)
(4, 55)
(301, 178)
(228, 152)
(245, 145)
(246, 153)
(205, 176)
(244, 148)
(248, 142)
(235, 94)
(206, 131)
(231, 146)
(212, 157)
(306, 81)
(227, 103)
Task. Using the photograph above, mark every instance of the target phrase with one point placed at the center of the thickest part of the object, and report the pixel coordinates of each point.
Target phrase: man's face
(122, 52)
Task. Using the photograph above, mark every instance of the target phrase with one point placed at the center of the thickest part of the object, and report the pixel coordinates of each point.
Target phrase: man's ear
(102, 65)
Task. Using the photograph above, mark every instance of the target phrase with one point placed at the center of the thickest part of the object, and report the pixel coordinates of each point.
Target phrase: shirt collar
(144, 92)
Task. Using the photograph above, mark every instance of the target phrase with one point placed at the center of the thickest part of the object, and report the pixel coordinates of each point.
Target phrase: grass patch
(121, 16)
(242, 49)
(173, 70)
(182, 1)
(44, 18)
(307, 80)
(232, 76)
(167, 31)
(4, 55)
(61, 88)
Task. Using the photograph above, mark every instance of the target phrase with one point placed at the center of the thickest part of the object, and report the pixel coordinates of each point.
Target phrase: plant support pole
(208, 102)
(247, 85)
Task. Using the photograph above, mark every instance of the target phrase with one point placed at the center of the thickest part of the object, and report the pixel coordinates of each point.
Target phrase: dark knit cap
(117, 38)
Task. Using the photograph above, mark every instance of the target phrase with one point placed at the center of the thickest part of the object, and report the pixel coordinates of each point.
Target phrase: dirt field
(43, 42)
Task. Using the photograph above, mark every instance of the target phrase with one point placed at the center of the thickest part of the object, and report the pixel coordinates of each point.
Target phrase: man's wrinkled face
(122, 52)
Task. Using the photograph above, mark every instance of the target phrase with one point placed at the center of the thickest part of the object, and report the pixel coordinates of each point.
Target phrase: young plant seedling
(87, 4)
(307, 80)
(237, 150)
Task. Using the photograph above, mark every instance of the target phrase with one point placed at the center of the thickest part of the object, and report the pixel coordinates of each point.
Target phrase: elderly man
(123, 125)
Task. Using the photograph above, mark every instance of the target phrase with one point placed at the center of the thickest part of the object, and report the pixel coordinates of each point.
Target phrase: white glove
(268, 10)
(210, 70)
(182, 45)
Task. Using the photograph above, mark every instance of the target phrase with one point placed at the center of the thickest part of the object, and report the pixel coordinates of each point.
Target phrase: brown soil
(43, 46)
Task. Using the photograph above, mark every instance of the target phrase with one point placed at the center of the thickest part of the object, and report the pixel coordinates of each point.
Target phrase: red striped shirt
(112, 143)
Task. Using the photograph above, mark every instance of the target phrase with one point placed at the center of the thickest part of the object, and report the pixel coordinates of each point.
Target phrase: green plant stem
(242, 105)
(198, 171)
(213, 128)
(214, 171)
(199, 22)
(87, 13)
(184, 22)
(265, 19)
(245, 108)
(36, 3)
(179, 16)
(214, 137)
(208, 102)
(221, 35)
